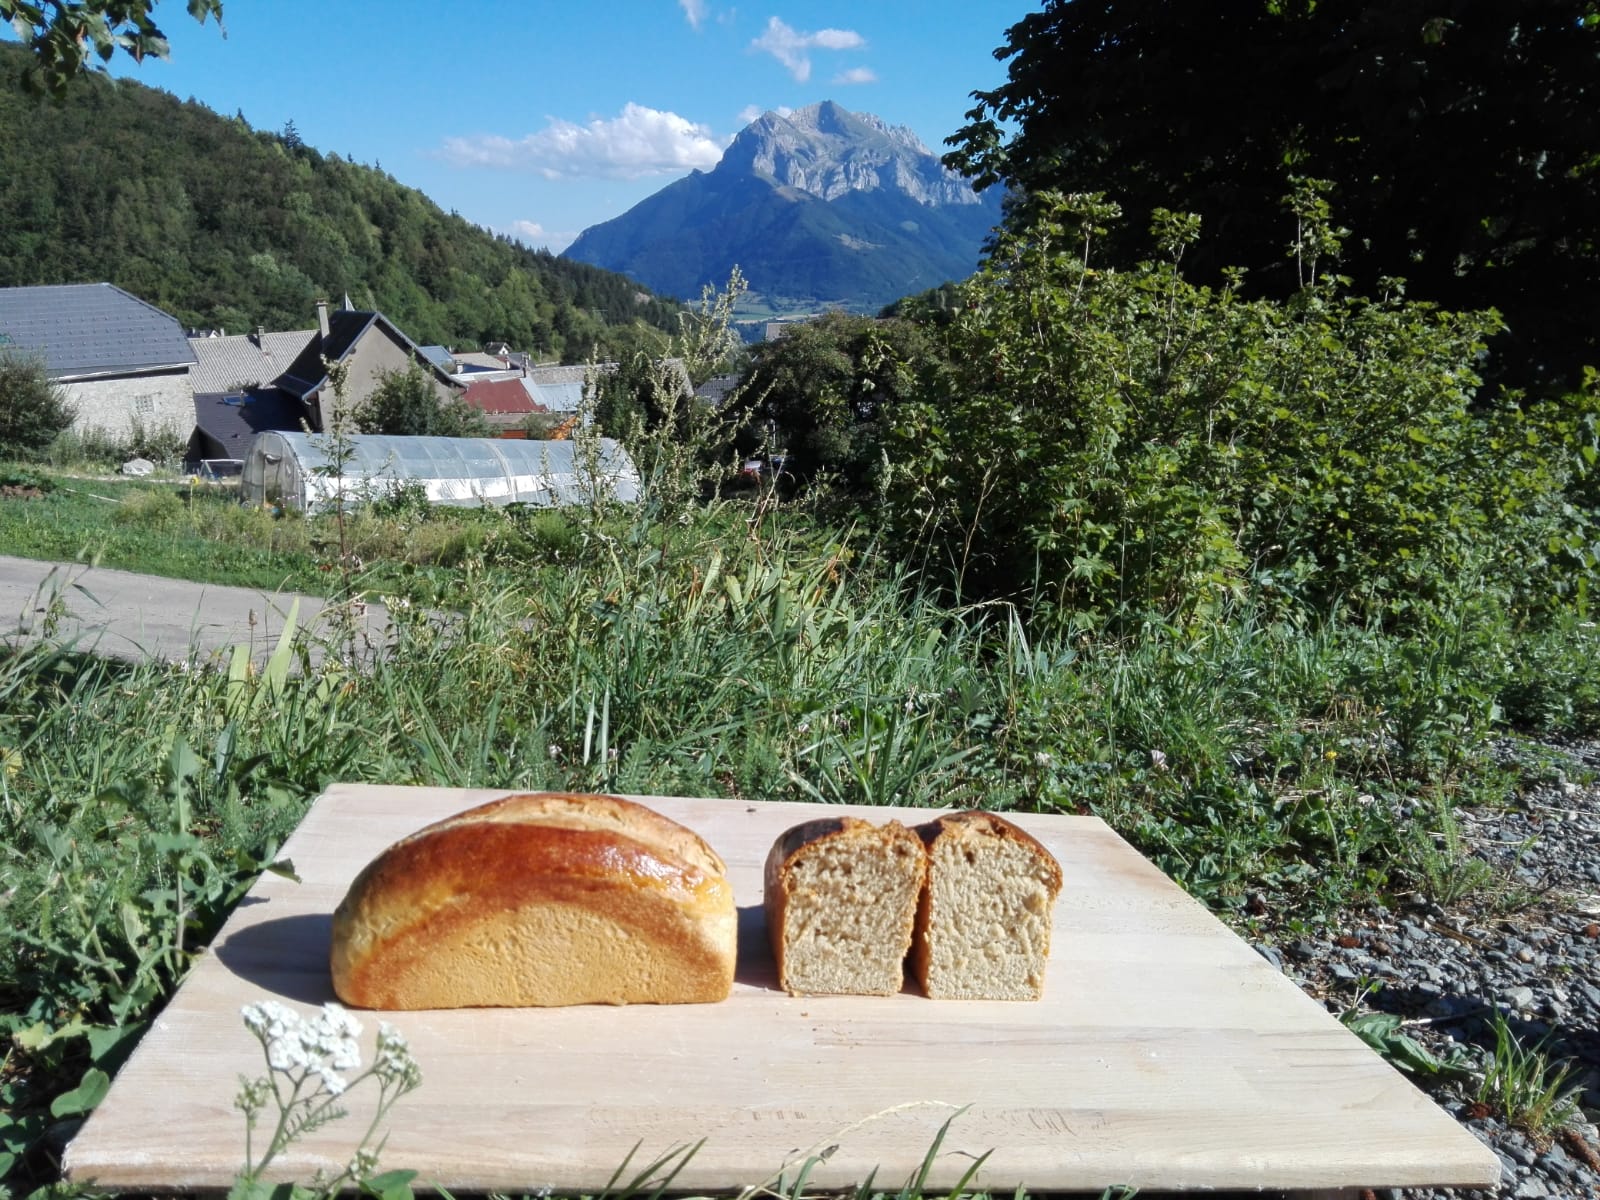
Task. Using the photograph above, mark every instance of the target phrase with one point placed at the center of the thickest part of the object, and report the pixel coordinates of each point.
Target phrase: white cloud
(856, 75)
(694, 10)
(531, 233)
(640, 141)
(790, 46)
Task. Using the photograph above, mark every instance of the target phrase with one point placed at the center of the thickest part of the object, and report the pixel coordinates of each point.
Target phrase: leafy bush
(825, 391)
(164, 445)
(408, 404)
(157, 508)
(86, 448)
(1125, 444)
(33, 411)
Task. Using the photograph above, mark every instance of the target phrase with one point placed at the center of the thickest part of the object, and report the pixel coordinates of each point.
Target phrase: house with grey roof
(122, 363)
(235, 389)
(371, 346)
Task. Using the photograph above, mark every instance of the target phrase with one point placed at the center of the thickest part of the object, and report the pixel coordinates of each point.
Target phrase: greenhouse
(295, 470)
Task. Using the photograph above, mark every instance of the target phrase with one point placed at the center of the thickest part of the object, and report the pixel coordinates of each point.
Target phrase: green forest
(230, 227)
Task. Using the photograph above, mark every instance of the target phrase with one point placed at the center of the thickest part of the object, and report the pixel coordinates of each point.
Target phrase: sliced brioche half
(539, 899)
(983, 926)
(841, 899)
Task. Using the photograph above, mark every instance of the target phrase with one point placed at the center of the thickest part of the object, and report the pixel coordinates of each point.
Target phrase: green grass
(162, 527)
(1530, 1090)
(717, 656)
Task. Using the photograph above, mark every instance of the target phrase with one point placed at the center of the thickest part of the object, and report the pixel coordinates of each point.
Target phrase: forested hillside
(226, 226)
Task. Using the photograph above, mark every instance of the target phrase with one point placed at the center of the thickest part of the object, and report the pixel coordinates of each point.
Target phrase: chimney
(322, 317)
(261, 337)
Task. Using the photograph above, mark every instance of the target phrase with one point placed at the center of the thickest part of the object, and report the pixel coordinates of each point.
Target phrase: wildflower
(253, 1095)
(1158, 759)
(393, 1062)
(270, 1020)
(1043, 758)
(555, 752)
(324, 1047)
(1330, 755)
(313, 1054)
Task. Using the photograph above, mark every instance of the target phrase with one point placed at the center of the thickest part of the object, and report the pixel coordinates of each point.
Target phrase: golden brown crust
(538, 899)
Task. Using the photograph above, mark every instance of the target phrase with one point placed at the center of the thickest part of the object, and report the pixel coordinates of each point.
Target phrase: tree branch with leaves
(65, 36)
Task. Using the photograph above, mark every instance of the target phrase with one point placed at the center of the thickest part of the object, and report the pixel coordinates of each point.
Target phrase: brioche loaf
(841, 898)
(983, 926)
(541, 899)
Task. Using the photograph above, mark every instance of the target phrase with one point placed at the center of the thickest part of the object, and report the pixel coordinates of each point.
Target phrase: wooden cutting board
(1166, 1053)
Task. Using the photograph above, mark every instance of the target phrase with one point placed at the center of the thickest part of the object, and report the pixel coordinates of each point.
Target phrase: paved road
(123, 615)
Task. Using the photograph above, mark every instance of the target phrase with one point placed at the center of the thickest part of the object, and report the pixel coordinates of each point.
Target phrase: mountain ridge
(817, 207)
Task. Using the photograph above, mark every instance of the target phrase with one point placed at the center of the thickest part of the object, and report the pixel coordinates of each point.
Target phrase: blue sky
(539, 119)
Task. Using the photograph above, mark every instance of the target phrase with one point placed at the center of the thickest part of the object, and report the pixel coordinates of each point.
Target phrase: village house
(236, 396)
(122, 363)
(371, 346)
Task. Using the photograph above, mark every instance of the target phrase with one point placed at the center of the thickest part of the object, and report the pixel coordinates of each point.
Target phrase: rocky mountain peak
(827, 150)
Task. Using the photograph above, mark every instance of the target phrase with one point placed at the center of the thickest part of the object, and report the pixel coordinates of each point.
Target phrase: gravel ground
(1525, 944)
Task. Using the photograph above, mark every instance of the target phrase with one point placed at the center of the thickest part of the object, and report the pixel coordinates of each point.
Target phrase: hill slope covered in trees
(226, 226)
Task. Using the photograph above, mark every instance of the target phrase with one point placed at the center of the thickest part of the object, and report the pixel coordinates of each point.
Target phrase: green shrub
(546, 535)
(153, 508)
(1129, 445)
(15, 475)
(410, 403)
(33, 411)
(87, 447)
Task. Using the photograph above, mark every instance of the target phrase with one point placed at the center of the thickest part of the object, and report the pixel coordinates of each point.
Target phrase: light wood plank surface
(1166, 1053)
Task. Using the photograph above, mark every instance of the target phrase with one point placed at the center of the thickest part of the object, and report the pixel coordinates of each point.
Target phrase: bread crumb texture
(538, 900)
(984, 924)
(841, 899)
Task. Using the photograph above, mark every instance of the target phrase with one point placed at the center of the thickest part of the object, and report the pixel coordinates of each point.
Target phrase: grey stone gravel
(1526, 946)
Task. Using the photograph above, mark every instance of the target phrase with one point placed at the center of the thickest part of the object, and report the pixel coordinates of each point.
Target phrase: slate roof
(560, 389)
(88, 329)
(715, 390)
(345, 326)
(240, 361)
(497, 396)
(232, 420)
(487, 362)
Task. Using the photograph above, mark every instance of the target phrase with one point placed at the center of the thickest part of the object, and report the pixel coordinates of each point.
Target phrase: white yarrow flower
(286, 1054)
(331, 1079)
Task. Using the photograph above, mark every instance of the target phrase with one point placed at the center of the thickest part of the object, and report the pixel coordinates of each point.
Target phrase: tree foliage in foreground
(828, 387)
(61, 36)
(1463, 137)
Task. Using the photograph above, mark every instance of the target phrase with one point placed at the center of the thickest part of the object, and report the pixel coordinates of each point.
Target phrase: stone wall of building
(115, 408)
